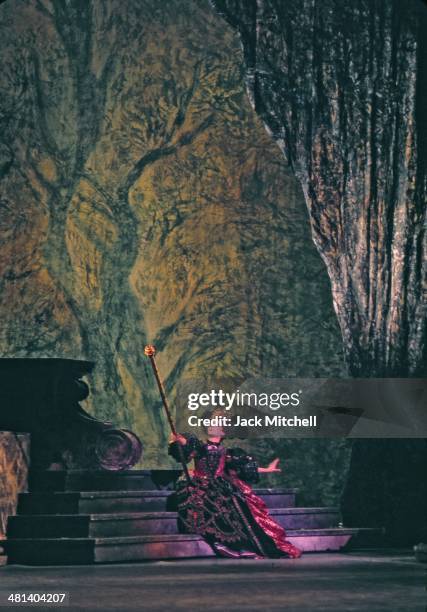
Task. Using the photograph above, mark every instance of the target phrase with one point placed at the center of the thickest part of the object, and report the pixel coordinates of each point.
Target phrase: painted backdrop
(142, 201)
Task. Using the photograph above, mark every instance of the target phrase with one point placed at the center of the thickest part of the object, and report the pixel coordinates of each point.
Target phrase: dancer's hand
(272, 467)
(177, 438)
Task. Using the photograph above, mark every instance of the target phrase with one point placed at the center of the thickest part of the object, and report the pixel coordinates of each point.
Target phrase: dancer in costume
(220, 504)
(216, 501)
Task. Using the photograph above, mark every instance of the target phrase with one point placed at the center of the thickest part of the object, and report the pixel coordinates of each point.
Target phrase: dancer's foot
(249, 554)
(223, 551)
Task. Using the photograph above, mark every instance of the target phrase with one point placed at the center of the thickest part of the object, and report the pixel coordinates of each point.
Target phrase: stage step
(46, 551)
(97, 502)
(335, 539)
(70, 551)
(94, 525)
(94, 480)
(100, 517)
(306, 518)
(145, 523)
(93, 502)
(278, 498)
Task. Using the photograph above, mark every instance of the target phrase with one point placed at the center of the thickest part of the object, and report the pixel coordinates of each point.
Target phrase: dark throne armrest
(41, 396)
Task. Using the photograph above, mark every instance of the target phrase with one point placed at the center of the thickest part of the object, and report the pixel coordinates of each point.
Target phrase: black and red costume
(208, 506)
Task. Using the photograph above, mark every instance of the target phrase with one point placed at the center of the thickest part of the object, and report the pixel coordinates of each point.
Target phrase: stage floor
(366, 580)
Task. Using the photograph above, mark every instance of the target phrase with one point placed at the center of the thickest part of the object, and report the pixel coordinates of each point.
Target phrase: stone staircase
(98, 517)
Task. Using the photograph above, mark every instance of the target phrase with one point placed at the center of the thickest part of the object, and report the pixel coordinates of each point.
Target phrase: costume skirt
(226, 510)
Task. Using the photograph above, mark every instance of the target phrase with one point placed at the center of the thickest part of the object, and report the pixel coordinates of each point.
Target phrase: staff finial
(150, 350)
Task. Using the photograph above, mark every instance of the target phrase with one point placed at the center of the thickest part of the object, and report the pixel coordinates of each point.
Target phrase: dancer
(220, 504)
(216, 501)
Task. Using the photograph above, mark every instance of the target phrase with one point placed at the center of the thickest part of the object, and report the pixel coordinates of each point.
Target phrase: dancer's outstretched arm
(271, 467)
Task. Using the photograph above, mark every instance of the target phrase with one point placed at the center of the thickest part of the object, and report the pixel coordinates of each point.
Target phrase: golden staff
(150, 351)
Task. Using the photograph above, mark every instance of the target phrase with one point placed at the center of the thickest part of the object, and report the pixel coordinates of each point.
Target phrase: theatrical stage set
(206, 190)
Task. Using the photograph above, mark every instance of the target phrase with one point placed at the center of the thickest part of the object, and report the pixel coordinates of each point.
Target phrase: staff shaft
(162, 394)
(150, 351)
